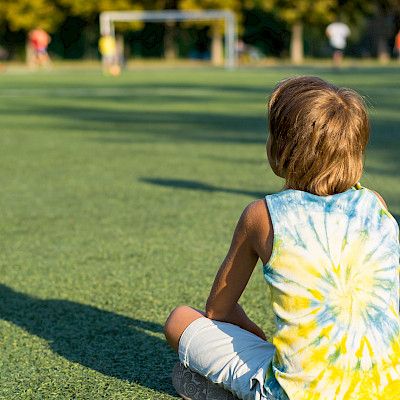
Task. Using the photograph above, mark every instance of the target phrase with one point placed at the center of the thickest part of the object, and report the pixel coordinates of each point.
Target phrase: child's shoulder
(255, 212)
(380, 198)
(256, 223)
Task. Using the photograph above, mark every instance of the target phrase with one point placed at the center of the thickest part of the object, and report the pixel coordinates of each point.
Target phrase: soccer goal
(108, 19)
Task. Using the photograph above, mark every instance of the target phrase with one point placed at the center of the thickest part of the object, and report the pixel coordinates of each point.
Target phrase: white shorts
(227, 355)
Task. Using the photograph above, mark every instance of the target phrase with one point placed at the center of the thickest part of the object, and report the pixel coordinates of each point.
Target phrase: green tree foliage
(233, 5)
(28, 14)
(49, 14)
(91, 8)
(24, 15)
(160, 4)
(297, 13)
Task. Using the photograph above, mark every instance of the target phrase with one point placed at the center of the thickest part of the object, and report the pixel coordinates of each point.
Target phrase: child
(330, 251)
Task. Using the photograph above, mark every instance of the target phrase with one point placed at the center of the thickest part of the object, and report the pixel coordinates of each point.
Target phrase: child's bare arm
(246, 248)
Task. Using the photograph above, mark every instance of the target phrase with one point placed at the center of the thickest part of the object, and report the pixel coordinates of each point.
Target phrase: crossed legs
(179, 319)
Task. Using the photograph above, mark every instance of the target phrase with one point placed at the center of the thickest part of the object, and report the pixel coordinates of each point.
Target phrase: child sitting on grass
(330, 251)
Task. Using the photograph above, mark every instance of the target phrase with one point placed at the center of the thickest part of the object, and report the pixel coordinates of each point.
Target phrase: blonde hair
(318, 133)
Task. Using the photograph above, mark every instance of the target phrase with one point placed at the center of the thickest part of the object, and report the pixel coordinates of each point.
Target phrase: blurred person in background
(3, 57)
(38, 41)
(397, 45)
(337, 33)
(109, 55)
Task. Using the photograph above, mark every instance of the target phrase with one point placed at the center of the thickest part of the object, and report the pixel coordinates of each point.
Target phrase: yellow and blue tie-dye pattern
(334, 280)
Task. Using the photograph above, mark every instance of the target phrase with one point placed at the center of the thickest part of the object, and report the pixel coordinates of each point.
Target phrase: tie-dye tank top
(334, 280)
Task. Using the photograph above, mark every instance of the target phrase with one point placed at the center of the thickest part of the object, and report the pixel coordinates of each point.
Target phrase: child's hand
(238, 317)
(246, 323)
(259, 332)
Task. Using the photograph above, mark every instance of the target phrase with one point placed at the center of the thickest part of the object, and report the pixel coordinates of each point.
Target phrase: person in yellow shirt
(108, 51)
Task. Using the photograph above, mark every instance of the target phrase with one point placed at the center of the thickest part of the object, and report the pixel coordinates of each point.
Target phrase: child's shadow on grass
(109, 343)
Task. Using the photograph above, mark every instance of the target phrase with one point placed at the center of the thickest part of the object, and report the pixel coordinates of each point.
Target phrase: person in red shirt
(39, 40)
(397, 45)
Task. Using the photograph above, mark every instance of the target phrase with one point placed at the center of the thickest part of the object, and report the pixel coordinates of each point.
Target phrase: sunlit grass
(119, 197)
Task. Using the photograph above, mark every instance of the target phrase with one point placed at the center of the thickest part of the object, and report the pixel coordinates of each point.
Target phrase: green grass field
(118, 200)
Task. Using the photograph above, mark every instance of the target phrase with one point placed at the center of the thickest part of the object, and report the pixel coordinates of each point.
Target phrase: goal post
(108, 19)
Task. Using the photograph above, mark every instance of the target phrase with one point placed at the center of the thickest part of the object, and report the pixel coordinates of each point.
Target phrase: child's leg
(224, 353)
(177, 322)
(189, 384)
(193, 386)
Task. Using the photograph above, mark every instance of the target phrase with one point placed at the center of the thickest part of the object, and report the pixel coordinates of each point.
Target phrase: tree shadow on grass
(196, 185)
(206, 187)
(109, 343)
(133, 125)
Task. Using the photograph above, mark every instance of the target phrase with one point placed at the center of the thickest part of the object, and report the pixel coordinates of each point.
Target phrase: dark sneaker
(192, 386)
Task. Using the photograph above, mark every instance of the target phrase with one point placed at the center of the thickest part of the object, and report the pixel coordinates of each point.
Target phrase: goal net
(109, 18)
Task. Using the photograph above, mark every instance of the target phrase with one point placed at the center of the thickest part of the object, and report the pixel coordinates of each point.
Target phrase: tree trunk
(382, 50)
(217, 48)
(120, 50)
(29, 53)
(170, 52)
(296, 43)
(384, 27)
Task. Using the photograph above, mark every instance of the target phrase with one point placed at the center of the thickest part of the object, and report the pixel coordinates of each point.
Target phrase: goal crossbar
(108, 19)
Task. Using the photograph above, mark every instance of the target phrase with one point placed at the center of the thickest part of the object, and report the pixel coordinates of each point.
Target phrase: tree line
(66, 18)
